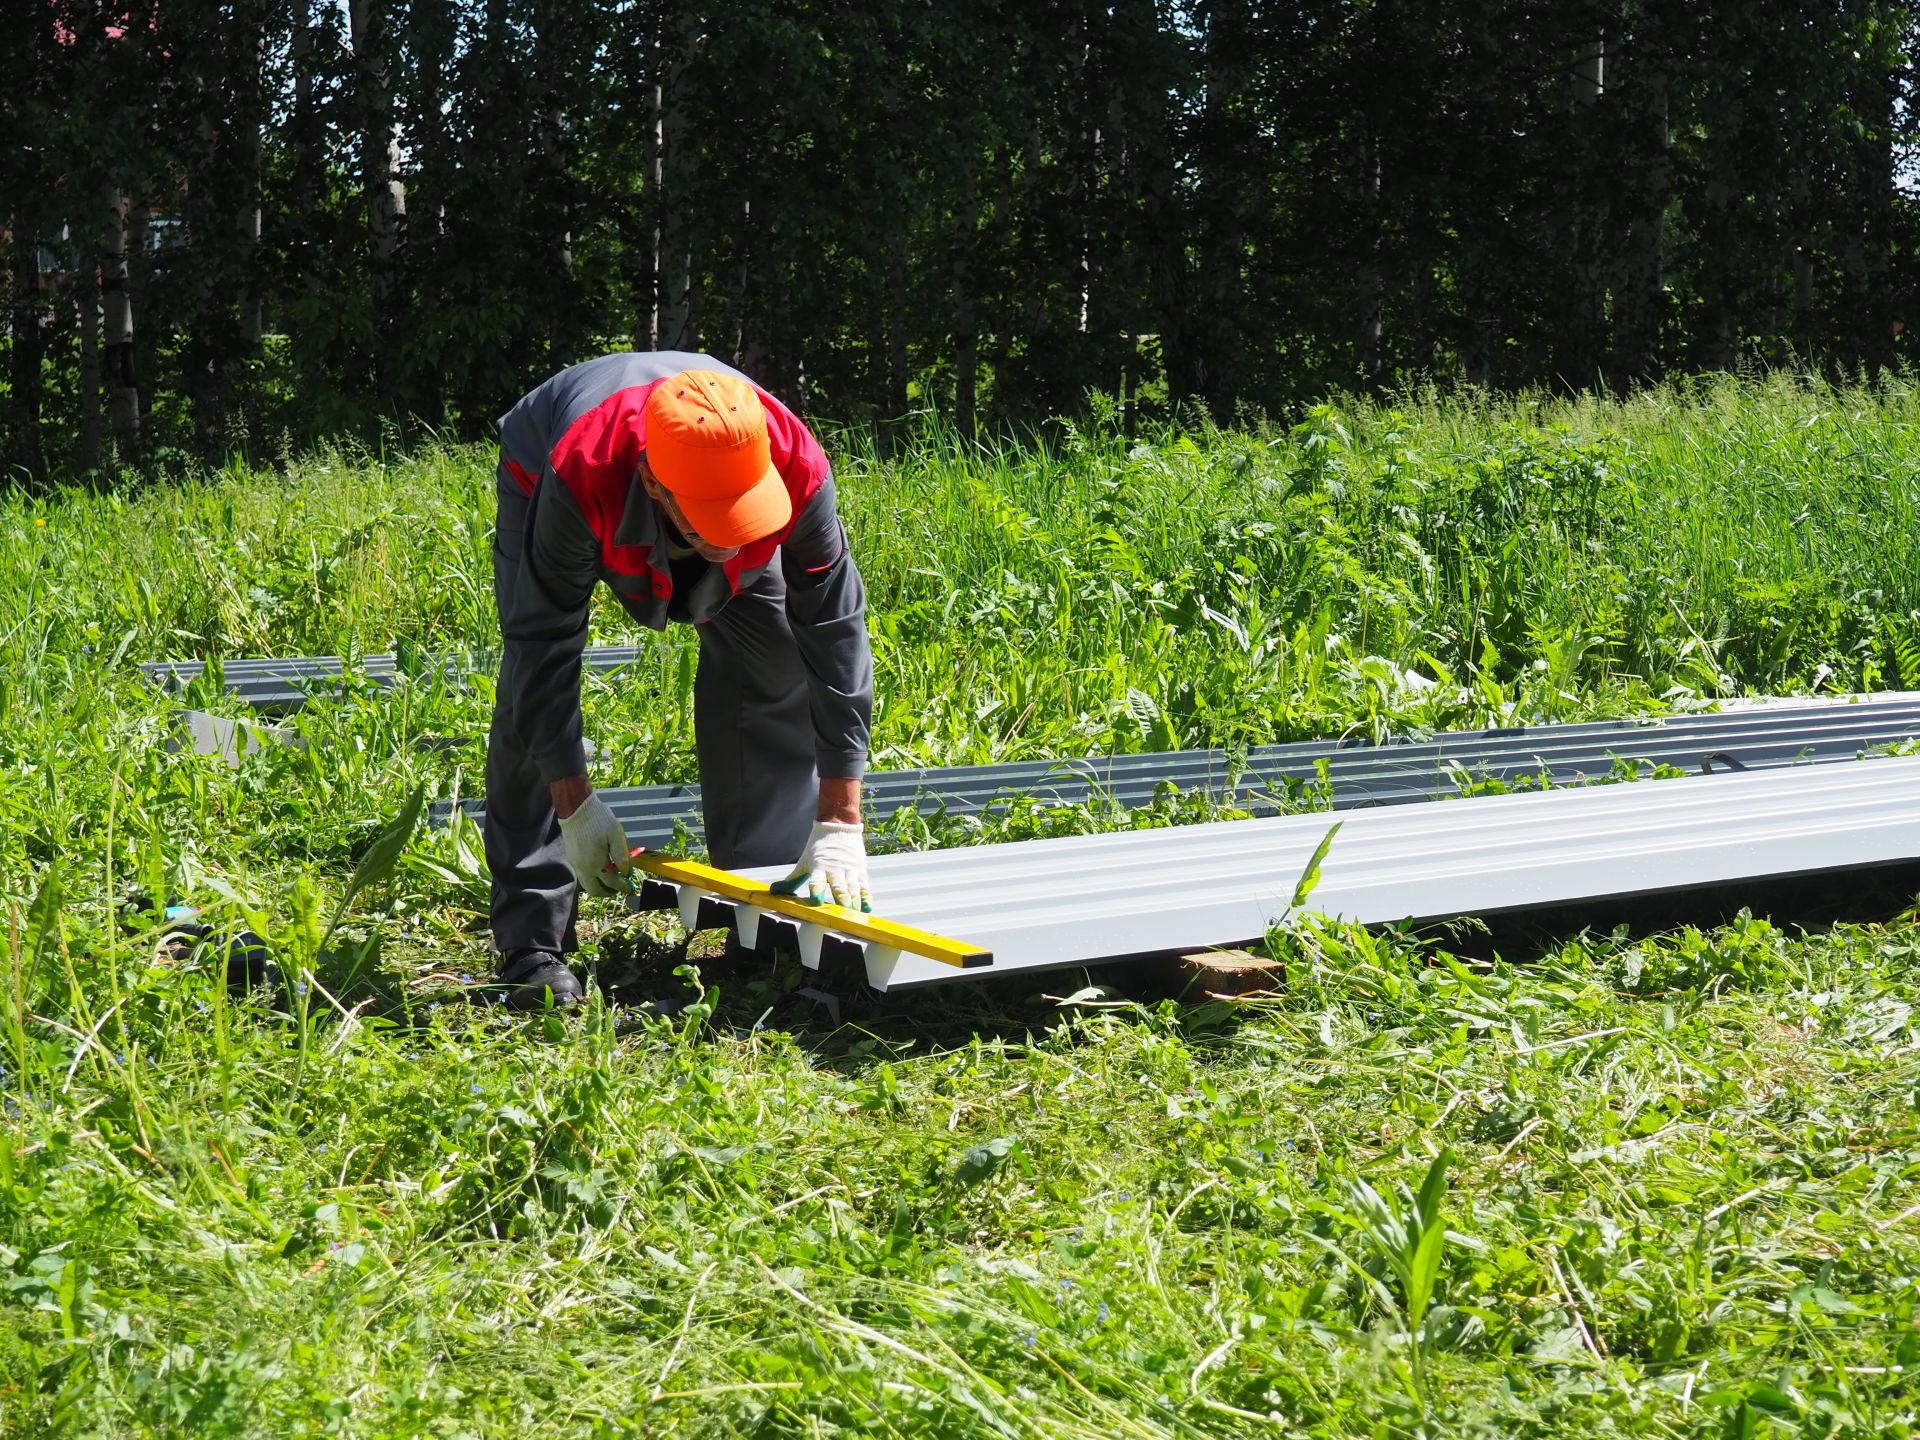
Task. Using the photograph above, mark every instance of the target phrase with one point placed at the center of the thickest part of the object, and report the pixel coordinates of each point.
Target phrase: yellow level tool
(855, 924)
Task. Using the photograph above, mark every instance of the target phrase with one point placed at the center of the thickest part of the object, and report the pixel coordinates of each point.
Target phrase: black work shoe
(537, 979)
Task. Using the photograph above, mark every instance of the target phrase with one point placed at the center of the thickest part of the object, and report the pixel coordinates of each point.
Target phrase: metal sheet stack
(1351, 773)
(285, 684)
(1043, 904)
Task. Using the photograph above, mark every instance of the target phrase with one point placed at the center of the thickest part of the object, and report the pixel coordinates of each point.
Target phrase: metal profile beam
(284, 684)
(1356, 773)
(1043, 904)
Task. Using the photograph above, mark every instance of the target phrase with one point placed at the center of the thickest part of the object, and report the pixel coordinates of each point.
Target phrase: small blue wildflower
(474, 1089)
(1029, 1340)
(1102, 1318)
(1065, 1285)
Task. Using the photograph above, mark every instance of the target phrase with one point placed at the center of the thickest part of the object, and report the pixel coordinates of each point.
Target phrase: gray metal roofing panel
(1357, 775)
(1046, 903)
(285, 683)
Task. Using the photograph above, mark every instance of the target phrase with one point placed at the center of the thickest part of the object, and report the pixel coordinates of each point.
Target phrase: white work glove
(596, 847)
(832, 867)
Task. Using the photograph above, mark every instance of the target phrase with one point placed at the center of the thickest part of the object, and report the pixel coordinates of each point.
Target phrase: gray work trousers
(753, 737)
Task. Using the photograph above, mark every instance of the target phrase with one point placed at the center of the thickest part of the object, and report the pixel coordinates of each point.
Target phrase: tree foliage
(340, 218)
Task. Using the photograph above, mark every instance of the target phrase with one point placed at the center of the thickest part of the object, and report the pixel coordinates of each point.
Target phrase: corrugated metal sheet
(283, 684)
(1352, 773)
(1041, 904)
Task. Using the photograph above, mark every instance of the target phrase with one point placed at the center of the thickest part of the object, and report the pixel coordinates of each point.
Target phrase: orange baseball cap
(707, 443)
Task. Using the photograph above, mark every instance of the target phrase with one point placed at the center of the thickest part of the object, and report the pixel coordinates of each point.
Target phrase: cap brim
(741, 519)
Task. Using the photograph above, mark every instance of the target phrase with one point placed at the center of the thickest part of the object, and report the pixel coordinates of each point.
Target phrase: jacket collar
(641, 523)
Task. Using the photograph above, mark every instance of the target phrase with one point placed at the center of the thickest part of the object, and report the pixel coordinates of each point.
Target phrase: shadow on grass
(844, 1023)
(1812, 902)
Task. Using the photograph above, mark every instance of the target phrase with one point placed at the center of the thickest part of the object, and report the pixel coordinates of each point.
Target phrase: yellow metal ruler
(854, 924)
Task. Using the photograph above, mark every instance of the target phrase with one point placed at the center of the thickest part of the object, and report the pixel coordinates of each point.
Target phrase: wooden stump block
(1232, 974)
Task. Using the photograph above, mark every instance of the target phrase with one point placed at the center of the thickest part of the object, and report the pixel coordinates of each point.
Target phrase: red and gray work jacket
(572, 447)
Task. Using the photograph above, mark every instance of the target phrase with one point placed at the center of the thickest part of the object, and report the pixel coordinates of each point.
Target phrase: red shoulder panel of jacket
(596, 459)
(522, 476)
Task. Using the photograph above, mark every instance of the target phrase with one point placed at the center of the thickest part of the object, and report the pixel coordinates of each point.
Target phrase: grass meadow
(1626, 1184)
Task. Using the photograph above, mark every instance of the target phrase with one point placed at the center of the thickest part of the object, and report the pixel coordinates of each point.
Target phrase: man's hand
(832, 867)
(569, 793)
(596, 846)
(839, 800)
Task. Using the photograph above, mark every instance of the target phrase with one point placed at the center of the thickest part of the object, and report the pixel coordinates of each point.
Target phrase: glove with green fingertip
(833, 868)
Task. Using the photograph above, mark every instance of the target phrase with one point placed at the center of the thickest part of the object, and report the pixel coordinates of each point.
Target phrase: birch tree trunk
(86, 314)
(137, 372)
(1154, 183)
(1723, 270)
(898, 366)
(675, 173)
(207, 374)
(29, 343)
(385, 195)
(1369, 322)
(242, 354)
(246, 125)
(746, 298)
(1586, 258)
(966, 339)
(304, 139)
(1873, 95)
(889, 250)
(1638, 302)
(675, 304)
(1083, 187)
(653, 153)
(550, 66)
(1225, 185)
(117, 361)
(1483, 325)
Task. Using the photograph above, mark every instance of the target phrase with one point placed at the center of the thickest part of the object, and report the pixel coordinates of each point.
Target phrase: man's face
(714, 554)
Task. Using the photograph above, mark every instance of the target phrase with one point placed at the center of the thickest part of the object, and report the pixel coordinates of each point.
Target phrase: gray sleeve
(543, 628)
(827, 608)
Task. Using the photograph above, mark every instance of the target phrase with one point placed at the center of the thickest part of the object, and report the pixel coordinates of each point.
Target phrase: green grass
(1647, 1186)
